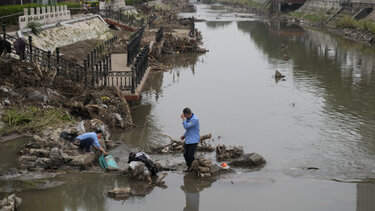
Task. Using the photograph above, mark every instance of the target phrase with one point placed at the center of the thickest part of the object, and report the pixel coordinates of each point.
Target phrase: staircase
(344, 11)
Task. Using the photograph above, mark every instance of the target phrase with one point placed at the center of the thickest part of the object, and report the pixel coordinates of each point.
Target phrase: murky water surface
(322, 115)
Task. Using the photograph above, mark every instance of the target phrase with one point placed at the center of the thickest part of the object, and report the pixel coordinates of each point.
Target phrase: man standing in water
(191, 124)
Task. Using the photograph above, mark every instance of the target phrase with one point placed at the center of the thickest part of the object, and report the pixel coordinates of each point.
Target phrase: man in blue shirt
(85, 141)
(191, 124)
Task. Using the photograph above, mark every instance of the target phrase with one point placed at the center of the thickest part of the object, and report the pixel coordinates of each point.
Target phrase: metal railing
(134, 45)
(159, 34)
(139, 68)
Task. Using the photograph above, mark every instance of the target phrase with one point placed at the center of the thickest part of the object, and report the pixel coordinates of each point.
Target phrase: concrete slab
(119, 62)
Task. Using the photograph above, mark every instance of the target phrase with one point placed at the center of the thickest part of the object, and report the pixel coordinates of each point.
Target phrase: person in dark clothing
(20, 46)
(191, 123)
(144, 158)
(5, 47)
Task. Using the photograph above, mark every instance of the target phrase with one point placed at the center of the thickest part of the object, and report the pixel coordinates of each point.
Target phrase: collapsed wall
(70, 32)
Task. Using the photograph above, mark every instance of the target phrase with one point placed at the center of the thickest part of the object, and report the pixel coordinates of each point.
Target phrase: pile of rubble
(225, 153)
(48, 151)
(203, 167)
(178, 145)
(174, 44)
(10, 203)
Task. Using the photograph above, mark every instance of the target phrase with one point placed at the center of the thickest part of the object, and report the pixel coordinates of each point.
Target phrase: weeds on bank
(348, 22)
(310, 17)
(33, 119)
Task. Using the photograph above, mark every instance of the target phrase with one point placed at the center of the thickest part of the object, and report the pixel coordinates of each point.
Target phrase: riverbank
(362, 31)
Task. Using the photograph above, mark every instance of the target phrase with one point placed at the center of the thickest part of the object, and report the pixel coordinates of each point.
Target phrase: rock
(55, 154)
(81, 127)
(43, 162)
(40, 152)
(119, 121)
(251, 160)
(6, 102)
(65, 156)
(120, 193)
(2, 125)
(35, 95)
(23, 159)
(5, 89)
(2, 110)
(10, 203)
(83, 160)
(38, 139)
(226, 153)
(110, 144)
(278, 75)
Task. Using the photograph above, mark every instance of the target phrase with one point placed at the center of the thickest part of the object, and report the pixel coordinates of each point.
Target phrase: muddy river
(322, 116)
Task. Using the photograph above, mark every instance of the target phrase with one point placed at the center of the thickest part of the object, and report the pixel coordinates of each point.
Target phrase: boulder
(10, 203)
(65, 156)
(40, 152)
(83, 160)
(43, 162)
(119, 120)
(55, 154)
(120, 193)
(251, 160)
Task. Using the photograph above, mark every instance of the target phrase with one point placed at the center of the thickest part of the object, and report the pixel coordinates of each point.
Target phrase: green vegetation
(33, 118)
(348, 22)
(311, 17)
(35, 27)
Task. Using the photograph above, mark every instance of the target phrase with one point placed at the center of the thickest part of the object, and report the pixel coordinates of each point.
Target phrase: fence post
(92, 77)
(133, 80)
(4, 32)
(31, 47)
(88, 59)
(109, 61)
(85, 71)
(91, 59)
(49, 60)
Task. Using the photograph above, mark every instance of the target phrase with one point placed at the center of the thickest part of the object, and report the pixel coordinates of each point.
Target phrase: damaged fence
(134, 45)
(159, 34)
(96, 70)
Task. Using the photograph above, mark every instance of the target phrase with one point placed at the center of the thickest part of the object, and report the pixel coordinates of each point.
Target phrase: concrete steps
(345, 11)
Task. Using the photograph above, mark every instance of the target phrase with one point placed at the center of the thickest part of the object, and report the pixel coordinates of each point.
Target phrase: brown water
(321, 116)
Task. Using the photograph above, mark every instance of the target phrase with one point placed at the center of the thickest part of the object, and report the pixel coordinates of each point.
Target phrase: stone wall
(44, 15)
(69, 33)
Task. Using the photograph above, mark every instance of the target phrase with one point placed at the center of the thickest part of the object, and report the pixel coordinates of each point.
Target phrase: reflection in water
(192, 186)
(217, 24)
(365, 197)
(340, 75)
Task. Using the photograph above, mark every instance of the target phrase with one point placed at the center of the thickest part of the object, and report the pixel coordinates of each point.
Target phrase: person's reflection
(192, 186)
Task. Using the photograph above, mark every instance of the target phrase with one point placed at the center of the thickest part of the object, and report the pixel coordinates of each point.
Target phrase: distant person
(86, 140)
(20, 46)
(191, 124)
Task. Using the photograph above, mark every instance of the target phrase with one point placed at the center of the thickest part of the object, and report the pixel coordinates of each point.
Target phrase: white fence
(44, 15)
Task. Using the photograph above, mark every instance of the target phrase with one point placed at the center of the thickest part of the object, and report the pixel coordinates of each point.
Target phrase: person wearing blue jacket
(86, 140)
(191, 124)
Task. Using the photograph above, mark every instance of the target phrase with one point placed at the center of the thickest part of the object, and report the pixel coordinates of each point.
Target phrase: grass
(348, 22)
(311, 17)
(33, 119)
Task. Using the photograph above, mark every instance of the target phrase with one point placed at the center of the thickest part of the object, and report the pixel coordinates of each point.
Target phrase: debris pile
(174, 44)
(10, 203)
(250, 160)
(178, 146)
(226, 153)
(202, 167)
(48, 150)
